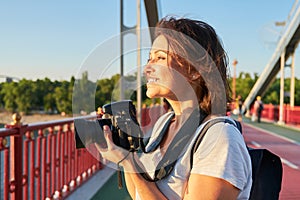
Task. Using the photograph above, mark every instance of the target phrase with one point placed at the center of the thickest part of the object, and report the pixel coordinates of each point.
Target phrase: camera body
(120, 116)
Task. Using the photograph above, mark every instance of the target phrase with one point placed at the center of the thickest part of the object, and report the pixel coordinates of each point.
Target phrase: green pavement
(110, 191)
(287, 131)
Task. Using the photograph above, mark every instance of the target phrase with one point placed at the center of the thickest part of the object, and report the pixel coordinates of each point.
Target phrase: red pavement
(289, 153)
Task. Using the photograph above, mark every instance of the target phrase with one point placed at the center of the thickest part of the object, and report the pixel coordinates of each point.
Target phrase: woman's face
(162, 79)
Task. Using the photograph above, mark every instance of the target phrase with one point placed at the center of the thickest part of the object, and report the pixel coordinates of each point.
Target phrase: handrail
(38, 125)
(4, 132)
(40, 160)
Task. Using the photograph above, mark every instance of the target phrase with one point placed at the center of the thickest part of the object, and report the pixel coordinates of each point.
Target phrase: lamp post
(234, 63)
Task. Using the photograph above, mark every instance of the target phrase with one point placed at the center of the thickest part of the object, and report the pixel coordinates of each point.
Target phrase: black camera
(120, 116)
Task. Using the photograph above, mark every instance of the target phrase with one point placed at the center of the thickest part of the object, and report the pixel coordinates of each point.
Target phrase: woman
(187, 67)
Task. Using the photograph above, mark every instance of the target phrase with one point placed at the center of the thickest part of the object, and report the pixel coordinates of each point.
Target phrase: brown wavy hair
(184, 37)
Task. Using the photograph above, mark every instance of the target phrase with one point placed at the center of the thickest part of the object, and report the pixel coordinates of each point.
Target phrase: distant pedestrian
(258, 108)
(240, 104)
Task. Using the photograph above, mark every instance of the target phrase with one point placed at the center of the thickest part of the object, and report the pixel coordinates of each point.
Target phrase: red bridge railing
(291, 115)
(39, 161)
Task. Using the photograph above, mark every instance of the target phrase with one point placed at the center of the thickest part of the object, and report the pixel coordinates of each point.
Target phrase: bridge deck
(285, 142)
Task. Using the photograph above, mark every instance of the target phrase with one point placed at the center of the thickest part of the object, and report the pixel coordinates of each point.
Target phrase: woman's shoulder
(220, 123)
(221, 133)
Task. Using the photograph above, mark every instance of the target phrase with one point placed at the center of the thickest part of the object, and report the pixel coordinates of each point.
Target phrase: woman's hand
(134, 181)
(112, 152)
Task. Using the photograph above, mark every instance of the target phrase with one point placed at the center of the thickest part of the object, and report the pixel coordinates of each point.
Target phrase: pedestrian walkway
(281, 140)
(92, 186)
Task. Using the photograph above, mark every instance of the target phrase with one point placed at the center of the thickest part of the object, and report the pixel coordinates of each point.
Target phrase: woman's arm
(207, 187)
(129, 185)
(221, 165)
(146, 190)
(136, 183)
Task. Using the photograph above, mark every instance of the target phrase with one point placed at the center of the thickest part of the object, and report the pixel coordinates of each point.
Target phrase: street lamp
(234, 63)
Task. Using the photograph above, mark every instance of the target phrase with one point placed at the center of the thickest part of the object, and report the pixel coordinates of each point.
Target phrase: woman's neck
(182, 110)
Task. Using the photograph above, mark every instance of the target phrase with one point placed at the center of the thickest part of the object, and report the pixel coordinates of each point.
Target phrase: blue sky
(52, 39)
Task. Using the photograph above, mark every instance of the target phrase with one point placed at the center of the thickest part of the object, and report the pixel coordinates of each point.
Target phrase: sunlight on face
(162, 79)
(160, 43)
(157, 70)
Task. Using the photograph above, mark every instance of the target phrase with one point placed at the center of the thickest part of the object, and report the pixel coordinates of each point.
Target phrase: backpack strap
(205, 129)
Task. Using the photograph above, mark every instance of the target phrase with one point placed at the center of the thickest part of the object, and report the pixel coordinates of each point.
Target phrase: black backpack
(266, 166)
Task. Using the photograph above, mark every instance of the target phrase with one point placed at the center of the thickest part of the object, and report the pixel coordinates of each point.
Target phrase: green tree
(273, 93)
(9, 96)
(48, 97)
(115, 81)
(297, 92)
(84, 95)
(1, 96)
(108, 90)
(287, 84)
(103, 92)
(63, 97)
(274, 88)
(244, 83)
(24, 96)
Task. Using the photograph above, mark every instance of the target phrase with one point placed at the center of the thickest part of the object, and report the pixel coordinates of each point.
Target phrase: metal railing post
(16, 158)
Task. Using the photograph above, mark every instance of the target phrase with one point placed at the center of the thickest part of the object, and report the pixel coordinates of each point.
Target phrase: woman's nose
(147, 69)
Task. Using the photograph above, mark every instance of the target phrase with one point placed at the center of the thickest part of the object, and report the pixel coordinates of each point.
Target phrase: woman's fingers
(105, 145)
(108, 136)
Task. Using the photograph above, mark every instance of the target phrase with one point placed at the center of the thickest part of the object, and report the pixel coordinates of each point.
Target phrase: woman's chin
(151, 94)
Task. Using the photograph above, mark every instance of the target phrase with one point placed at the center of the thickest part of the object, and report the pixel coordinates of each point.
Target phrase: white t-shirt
(222, 154)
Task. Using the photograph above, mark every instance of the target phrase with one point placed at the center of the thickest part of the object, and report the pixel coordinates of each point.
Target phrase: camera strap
(176, 147)
(157, 140)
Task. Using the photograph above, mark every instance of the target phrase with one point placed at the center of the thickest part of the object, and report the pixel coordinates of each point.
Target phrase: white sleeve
(223, 154)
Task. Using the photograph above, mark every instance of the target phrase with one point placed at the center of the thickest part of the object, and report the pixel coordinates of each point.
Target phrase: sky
(56, 39)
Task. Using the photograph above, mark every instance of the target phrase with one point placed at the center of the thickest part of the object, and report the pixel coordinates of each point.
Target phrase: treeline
(48, 96)
(245, 82)
(40, 95)
(59, 96)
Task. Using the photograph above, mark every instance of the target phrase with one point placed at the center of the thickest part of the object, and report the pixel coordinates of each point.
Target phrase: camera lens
(90, 131)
